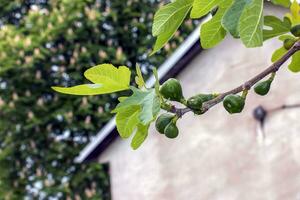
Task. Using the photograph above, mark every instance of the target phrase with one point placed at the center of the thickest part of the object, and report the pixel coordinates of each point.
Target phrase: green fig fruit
(171, 130)
(234, 103)
(263, 87)
(195, 102)
(171, 89)
(288, 43)
(162, 121)
(295, 30)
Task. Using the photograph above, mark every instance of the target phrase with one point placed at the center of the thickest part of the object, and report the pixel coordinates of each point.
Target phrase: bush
(45, 43)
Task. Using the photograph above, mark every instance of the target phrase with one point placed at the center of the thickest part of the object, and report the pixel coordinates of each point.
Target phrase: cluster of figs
(172, 90)
(233, 103)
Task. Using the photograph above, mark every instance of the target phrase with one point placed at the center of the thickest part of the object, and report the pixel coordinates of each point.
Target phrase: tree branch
(245, 86)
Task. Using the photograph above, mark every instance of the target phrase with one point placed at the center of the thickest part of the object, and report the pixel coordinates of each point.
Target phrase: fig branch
(244, 87)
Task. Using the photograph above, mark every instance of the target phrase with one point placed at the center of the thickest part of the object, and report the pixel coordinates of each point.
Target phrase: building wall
(217, 155)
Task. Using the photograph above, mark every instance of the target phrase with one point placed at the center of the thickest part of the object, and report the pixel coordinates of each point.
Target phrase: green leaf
(107, 74)
(231, 18)
(140, 136)
(161, 40)
(86, 89)
(127, 120)
(106, 79)
(278, 54)
(212, 32)
(295, 64)
(202, 7)
(120, 99)
(137, 111)
(294, 16)
(178, 11)
(139, 78)
(285, 3)
(147, 99)
(278, 27)
(170, 16)
(284, 37)
(251, 24)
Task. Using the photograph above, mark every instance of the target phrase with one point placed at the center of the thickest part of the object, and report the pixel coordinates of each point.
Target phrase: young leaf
(278, 27)
(284, 37)
(202, 7)
(139, 80)
(285, 3)
(140, 136)
(294, 66)
(251, 24)
(107, 74)
(167, 21)
(127, 120)
(106, 79)
(148, 100)
(86, 89)
(231, 18)
(278, 54)
(170, 16)
(120, 99)
(212, 32)
(294, 16)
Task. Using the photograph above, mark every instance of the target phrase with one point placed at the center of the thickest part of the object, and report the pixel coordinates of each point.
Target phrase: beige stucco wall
(218, 156)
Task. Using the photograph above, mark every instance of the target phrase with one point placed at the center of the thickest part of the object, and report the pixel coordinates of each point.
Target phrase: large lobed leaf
(251, 24)
(231, 18)
(106, 79)
(278, 27)
(202, 7)
(169, 16)
(167, 20)
(212, 32)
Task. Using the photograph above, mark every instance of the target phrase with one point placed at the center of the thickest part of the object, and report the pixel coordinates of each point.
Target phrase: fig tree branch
(284, 106)
(245, 86)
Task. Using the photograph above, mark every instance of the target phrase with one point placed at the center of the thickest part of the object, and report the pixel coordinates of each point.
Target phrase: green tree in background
(45, 43)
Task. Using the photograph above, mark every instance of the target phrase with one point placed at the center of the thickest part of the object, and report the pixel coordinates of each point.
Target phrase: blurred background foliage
(52, 42)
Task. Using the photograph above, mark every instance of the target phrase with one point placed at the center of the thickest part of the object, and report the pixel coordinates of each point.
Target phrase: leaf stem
(245, 93)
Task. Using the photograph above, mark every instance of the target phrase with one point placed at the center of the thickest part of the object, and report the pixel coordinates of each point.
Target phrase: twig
(284, 106)
(245, 86)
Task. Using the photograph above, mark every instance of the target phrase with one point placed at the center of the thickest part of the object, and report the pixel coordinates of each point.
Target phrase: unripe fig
(263, 87)
(288, 43)
(171, 130)
(162, 121)
(195, 102)
(295, 30)
(234, 103)
(171, 89)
